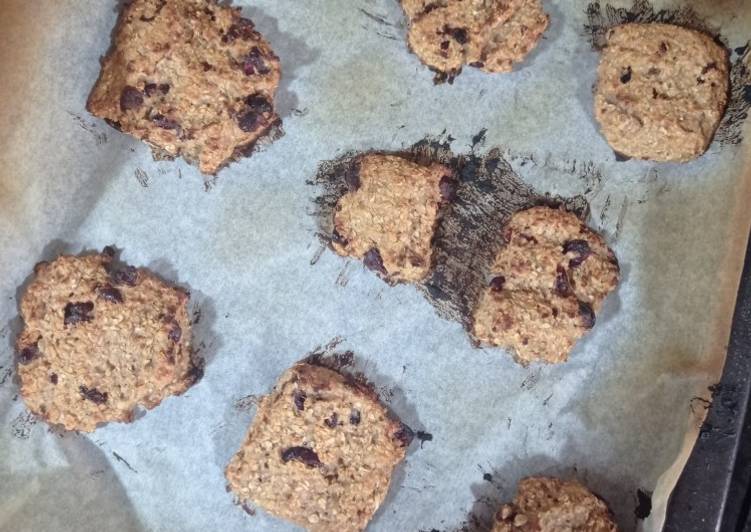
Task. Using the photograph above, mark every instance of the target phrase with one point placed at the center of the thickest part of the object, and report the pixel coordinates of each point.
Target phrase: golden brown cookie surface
(191, 78)
(390, 215)
(661, 91)
(320, 451)
(98, 342)
(546, 285)
(491, 35)
(551, 505)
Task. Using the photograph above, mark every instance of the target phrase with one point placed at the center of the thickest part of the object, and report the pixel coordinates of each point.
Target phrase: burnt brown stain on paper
(602, 16)
(468, 237)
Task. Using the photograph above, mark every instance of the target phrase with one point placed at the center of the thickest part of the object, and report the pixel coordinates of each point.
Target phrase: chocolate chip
(299, 399)
(458, 34)
(249, 121)
(53, 378)
(164, 88)
(587, 314)
(562, 286)
(242, 29)
(301, 454)
(555, 312)
(206, 66)
(580, 248)
(258, 106)
(332, 421)
(28, 354)
(175, 332)
(354, 417)
(496, 283)
(110, 293)
(164, 122)
(150, 89)
(404, 435)
(127, 275)
(447, 187)
(373, 261)
(130, 98)
(445, 45)
(254, 63)
(626, 75)
(93, 395)
(76, 313)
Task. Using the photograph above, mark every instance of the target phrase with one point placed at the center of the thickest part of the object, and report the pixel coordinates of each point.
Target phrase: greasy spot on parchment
(469, 234)
(602, 16)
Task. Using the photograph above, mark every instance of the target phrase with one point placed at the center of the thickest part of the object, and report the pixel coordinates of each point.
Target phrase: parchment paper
(621, 415)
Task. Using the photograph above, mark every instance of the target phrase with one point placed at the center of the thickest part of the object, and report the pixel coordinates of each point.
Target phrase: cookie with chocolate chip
(546, 285)
(544, 504)
(320, 452)
(191, 78)
(101, 340)
(390, 214)
(492, 35)
(661, 91)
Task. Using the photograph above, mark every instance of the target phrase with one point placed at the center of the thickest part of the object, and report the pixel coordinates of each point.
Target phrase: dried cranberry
(301, 454)
(354, 417)
(404, 435)
(299, 399)
(53, 378)
(76, 313)
(249, 121)
(626, 75)
(332, 421)
(28, 354)
(110, 293)
(458, 34)
(254, 63)
(373, 261)
(130, 98)
(242, 29)
(496, 283)
(562, 285)
(128, 275)
(582, 250)
(258, 107)
(447, 187)
(587, 314)
(93, 395)
(175, 331)
(259, 103)
(164, 122)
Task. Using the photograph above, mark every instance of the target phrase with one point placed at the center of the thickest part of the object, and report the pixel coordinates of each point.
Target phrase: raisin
(458, 34)
(496, 283)
(195, 373)
(93, 395)
(663, 47)
(258, 106)
(447, 187)
(562, 286)
(206, 66)
(332, 421)
(110, 251)
(373, 261)
(128, 275)
(164, 122)
(254, 63)
(249, 121)
(259, 103)
(150, 89)
(445, 45)
(130, 98)
(164, 88)
(28, 354)
(582, 250)
(53, 378)
(587, 314)
(301, 454)
(339, 239)
(710, 66)
(76, 313)
(175, 332)
(354, 417)
(299, 399)
(626, 75)
(110, 293)
(404, 435)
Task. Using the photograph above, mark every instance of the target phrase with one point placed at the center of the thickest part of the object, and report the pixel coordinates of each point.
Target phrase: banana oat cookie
(320, 452)
(547, 283)
(390, 215)
(545, 504)
(100, 341)
(661, 91)
(491, 35)
(189, 77)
